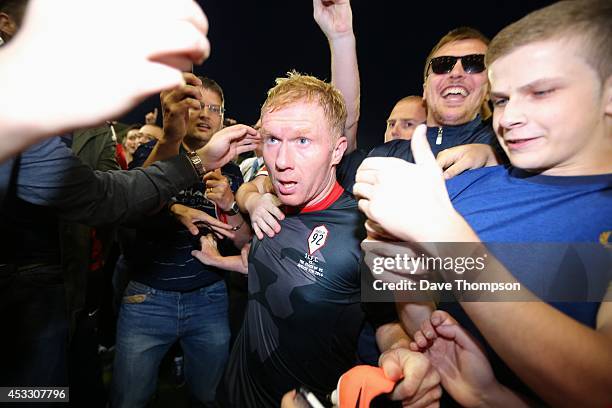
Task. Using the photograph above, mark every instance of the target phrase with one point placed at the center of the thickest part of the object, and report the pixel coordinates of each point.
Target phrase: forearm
(49, 175)
(550, 361)
(562, 347)
(248, 192)
(390, 336)
(500, 396)
(125, 196)
(227, 263)
(345, 76)
(243, 233)
(412, 315)
(15, 138)
(547, 362)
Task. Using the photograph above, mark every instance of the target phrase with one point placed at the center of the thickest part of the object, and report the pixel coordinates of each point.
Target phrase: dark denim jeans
(34, 337)
(150, 321)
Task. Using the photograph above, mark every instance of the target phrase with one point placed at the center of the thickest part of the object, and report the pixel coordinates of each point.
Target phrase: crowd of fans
(241, 252)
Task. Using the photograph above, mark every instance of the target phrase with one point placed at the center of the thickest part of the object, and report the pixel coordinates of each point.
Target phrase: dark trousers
(33, 315)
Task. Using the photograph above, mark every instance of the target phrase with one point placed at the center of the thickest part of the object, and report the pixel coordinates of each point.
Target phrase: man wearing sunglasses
(455, 91)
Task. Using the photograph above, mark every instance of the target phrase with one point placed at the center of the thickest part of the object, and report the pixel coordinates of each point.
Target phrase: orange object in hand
(361, 383)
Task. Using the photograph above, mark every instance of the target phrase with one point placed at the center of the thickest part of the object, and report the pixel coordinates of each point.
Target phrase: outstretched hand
(191, 218)
(175, 107)
(227, 144)
(265, 215)
(151, 59)
(459, 359)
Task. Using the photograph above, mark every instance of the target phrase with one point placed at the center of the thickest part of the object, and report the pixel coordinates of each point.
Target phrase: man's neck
(330, 183)
(432, 121)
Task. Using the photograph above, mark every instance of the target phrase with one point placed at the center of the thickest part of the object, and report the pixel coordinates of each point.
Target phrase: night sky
(253, 42)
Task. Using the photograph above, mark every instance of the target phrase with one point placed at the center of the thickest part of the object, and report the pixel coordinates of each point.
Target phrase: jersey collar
(325, 203)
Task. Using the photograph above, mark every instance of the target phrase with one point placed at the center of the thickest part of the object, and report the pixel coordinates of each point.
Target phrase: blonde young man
(551, 85)
(304, 312)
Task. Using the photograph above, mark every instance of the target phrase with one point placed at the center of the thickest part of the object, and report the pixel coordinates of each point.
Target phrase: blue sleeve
(50, 175)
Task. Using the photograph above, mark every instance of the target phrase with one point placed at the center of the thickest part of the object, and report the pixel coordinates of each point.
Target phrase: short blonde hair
(589, 21)
(298, 87)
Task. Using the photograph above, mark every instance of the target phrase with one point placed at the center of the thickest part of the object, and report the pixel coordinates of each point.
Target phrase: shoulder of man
(473, 179)
(483, 133)
(399, 148)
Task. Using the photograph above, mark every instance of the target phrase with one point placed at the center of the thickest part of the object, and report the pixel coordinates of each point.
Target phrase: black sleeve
(399, 148)
(49, 175)
(347, 169)
(142, 154)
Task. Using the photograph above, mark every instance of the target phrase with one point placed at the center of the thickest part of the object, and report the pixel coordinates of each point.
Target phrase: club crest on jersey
(317, 239)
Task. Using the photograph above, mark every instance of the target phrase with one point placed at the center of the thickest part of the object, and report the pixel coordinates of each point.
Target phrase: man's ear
(339, 149)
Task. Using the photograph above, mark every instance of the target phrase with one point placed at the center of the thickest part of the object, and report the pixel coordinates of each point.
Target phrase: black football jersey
(304, 315)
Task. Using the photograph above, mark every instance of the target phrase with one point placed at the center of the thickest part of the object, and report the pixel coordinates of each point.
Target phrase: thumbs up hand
(410, 201)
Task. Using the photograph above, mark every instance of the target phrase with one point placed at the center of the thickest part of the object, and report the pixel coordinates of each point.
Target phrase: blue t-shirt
(508, 205)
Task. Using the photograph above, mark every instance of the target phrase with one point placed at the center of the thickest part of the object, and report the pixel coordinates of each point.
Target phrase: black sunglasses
(472, 64)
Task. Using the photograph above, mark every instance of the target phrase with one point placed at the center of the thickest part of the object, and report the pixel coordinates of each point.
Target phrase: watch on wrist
(234, 209)
(196, 161)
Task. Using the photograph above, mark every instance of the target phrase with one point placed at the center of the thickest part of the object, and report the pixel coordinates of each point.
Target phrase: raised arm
(176, 104)
(335, 18)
